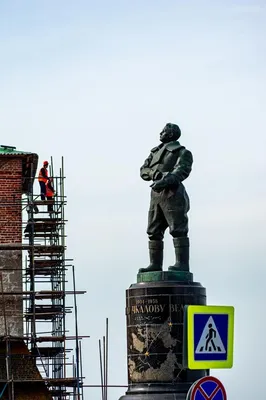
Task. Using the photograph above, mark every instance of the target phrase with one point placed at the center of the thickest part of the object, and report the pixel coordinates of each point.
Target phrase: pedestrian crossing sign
(208, 337)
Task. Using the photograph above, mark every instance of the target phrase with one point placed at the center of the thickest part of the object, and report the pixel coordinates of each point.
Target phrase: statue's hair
(175, 130)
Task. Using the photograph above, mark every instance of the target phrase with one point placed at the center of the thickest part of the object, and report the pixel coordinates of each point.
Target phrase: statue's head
(170, 133)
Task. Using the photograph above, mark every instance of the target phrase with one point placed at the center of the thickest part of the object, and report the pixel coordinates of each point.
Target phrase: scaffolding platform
(47, 351)
(47, 312)
(37, 272)
(42, 339)
(67, 382)
(59, 393)
(47, 263)
(42, 225)
(43, 294)
(46, 266)
(38, 249)
(42, 202)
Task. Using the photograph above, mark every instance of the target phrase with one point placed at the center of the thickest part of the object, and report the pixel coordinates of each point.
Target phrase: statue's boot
(181, 245)
(156, 256)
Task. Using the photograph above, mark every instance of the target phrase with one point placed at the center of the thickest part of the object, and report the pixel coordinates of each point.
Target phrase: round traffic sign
(207, 388)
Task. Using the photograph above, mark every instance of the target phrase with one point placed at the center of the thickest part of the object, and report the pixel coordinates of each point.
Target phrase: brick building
(17, 170)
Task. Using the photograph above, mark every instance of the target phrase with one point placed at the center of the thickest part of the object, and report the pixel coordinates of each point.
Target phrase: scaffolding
(46, 271)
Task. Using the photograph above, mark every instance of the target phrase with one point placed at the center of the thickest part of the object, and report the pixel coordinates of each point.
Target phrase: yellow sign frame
(189, 329)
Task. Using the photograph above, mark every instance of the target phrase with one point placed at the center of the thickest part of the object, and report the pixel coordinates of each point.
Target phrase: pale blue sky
(95, 82)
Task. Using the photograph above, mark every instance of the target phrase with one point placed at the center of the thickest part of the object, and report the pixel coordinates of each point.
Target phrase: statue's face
(166, 135)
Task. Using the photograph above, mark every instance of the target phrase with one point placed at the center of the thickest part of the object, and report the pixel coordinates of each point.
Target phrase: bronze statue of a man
(167, 166)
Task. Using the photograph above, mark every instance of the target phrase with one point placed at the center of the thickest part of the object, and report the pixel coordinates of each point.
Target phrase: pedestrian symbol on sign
(209, 337)
(210, 341)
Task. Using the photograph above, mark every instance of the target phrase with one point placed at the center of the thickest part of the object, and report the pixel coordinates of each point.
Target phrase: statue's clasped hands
(163, 183)
(159, 186)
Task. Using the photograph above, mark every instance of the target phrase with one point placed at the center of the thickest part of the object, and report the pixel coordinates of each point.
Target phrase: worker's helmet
(45, 163)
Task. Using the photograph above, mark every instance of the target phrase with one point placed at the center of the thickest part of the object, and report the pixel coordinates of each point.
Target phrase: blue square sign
(208, 337)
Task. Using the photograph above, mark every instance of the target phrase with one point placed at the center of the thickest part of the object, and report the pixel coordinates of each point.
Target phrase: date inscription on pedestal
(155, 309)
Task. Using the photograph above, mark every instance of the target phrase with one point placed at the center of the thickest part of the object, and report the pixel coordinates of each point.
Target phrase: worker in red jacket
(43, 178)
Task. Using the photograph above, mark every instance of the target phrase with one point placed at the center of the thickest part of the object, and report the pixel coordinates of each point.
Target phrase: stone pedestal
(154, 310)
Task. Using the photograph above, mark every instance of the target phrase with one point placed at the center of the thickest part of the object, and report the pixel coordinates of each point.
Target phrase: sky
(95, 82)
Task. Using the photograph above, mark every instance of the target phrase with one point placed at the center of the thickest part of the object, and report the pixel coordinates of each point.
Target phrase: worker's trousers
(43, 190)
(50, 206)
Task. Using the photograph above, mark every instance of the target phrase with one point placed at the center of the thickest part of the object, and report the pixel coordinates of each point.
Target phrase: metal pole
(7, 342)
(101, 367)
(74, 376)
(63, 272)
(81, 370)
(76, 329)
(4, 388)
(13, 389)
(106, 368)
(52, 168)
(32, 262)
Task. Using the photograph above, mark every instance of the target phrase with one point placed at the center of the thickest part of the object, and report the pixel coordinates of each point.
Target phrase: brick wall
(10, 197)
(11, 232)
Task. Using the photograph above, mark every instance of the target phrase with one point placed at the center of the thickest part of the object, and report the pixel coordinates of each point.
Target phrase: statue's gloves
(171, 179)
(164, 183)
(159, 186)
